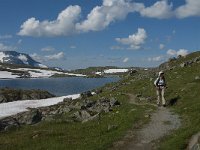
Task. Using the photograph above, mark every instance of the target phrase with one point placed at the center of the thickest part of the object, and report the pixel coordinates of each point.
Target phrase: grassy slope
(91, 135)
(185, 89)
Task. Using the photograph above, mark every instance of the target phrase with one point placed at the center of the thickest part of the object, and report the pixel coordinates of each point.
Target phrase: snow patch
(7, 75)
(2, 56)
(109, 71)
(23, 58)
(41, 73)
(12, 108)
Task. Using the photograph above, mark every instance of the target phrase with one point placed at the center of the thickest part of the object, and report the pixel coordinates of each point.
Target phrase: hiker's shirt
(160, 83)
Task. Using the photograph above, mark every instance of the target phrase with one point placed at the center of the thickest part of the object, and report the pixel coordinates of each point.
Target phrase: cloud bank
(69, 21)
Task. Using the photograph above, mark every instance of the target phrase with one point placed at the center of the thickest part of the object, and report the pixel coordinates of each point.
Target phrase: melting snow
(12, 108)
(2, 55)
(7, 75)
(115, 70)
(23, 58)
(41, 73)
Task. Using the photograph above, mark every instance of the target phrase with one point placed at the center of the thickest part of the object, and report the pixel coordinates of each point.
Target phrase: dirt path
(162, 122)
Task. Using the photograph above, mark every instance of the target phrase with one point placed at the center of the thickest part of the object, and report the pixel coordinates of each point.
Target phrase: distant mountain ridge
(13, 57)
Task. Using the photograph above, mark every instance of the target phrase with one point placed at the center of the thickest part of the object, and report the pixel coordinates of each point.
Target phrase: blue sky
(80, 33)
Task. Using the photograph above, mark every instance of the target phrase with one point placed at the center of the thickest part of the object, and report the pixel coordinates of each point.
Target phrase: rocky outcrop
(194, 143)
(81, 110)
(9, 95)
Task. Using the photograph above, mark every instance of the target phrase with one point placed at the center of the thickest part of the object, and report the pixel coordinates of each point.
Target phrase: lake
(59, 86)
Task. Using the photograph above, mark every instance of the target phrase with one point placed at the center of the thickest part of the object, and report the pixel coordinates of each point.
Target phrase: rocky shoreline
(78, 110)
(10, 95)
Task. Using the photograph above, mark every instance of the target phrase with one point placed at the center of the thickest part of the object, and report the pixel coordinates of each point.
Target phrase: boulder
(81, 115)
(67, 99)
(30, 117)
(197, 78)
(114, 102)
(183, 65)
(8, 123)
(86, 94)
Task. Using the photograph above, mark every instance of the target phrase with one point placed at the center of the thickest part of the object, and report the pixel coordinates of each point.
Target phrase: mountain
(13, 57)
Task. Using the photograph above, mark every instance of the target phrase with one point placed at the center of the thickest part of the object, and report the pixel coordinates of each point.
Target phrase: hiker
(160, 85)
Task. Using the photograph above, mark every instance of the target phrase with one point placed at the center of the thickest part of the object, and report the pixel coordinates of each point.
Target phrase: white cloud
(7, 36)
(191, 8)
(171, 52)
(68, 21)
(102, 16)
(159, 10)
(4, 47)
(161, 46)
(181, 52)
(156, 59)
(64, 25)
(37, 57)
(135, 40)
(19, 41)
(73, 47)
(116, 48)
(46, 58)
(48, 49)
(125, 60)
(57, 56)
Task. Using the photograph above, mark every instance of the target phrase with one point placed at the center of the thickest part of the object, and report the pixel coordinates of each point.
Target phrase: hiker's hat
(161, 72)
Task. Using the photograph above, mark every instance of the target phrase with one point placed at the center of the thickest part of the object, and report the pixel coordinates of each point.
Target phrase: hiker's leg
(158, 96)
(163, 96)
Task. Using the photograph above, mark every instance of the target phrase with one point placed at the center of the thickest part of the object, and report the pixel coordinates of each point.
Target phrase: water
(59, 86)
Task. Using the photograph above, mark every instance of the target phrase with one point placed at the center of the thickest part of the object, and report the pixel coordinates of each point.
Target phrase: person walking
(160, 85)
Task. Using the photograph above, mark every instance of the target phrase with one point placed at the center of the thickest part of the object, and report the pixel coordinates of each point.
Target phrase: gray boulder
(8, 123)
(86, 94)
(30, 117)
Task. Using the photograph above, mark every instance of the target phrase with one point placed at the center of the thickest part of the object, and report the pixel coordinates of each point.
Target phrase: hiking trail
(161, 123)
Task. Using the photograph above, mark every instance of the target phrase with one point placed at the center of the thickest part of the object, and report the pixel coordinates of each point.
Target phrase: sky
(74, 34)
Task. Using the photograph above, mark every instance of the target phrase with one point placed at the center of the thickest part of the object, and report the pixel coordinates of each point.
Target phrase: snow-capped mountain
(13, 57)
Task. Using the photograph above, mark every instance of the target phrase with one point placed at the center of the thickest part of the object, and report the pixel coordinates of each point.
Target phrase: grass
(60, 134)
(185, 90)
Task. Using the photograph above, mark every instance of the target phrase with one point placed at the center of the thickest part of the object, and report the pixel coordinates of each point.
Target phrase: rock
(67, 99)
(197, 59)
(112, 127)
(132, 72)
(114, 102)
(147, 116)
(9, 95)
(81, 115)
(197, 78)
(8, 123)
(183, 65)
(98, 91)
(138, 95)
(30, 117)
(86, 94)
(2, 98)
(95, 117)
(194, 143)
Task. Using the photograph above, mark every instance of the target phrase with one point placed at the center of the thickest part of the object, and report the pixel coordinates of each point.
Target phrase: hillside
(108, 125)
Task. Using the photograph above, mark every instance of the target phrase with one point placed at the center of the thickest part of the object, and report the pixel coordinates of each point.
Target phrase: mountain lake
(58, 86)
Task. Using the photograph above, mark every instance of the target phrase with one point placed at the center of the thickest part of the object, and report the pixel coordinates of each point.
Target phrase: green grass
(185, 89)
(91, 135)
